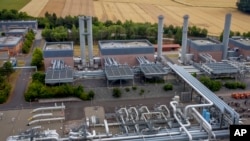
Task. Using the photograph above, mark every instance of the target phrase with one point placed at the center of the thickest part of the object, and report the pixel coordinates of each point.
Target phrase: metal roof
(9, 41)
(153, 69)
(204, 91)
(124, 44)
(219, 68)
(119, 72)
(59, 76)
(150, 68)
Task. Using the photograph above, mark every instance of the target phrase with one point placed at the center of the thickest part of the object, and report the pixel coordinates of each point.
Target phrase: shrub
(213, 85)
(168, 87)
(142, 91)
(235, 85)
(91, 95)
(84, 96)
(134, 88)
(117, 93)
(127, 89)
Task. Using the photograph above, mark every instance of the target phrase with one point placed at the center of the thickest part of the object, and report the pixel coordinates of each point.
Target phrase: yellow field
(208, 14)
(34, 7)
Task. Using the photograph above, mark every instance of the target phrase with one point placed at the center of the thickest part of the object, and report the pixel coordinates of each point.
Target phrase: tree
(38, 76)
(117, 93)
(7, 68)
(37, 58)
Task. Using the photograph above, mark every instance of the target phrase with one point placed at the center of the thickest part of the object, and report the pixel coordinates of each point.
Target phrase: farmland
(208, 14)
(13, 4)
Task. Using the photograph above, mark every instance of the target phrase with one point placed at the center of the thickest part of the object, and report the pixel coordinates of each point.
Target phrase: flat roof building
(240, 45)
(126, 51)
(16, 32)
(197, 46)
(11, 43)
(7, 25)
(58, 62)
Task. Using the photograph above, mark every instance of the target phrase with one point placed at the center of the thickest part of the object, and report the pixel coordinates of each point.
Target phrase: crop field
(208, 14)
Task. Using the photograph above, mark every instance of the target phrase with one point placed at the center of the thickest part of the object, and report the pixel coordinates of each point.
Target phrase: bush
(134, 88)
(127, 89)
(117, 93)
(168, 87)
(213, 85)
(142, 91)
(91, 95)
(235, 85)
(84, 96)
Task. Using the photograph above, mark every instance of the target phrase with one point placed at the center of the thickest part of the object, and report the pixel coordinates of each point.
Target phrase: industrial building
(58, 62)
(200, 49)
(16, 32)
(126, 51)
(7, 25)
(239, 46)
(168, 47)
(12, 44)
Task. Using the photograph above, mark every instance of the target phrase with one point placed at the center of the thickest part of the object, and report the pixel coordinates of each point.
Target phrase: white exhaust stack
(83, 35)
(160, 36)
(82, 39)
(184, 39)
(226, 34)
(90, 40)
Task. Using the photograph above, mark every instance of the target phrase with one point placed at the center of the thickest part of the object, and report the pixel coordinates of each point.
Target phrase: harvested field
(54, 6)
(209, 3)
(34, 7)
(78, 7)
(209, 14)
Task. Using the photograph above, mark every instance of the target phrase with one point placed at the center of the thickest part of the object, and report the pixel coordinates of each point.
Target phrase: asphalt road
(16, 100)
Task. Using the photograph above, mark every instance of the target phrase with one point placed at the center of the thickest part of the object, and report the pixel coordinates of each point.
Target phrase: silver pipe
(210, 132)
(178, 120)
(126, 129)
(166, 108)
(106, 126)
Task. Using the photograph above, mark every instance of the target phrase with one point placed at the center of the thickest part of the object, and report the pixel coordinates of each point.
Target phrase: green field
(13, 4)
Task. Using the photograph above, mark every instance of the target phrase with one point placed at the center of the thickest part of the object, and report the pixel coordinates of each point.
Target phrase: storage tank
(207, 117)
(204, 112)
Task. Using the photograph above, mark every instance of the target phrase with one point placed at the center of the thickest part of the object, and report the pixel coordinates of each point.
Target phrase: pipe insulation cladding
(226, 34)
(160, 36)
(90, 40)
(184, 39)
(82, 39)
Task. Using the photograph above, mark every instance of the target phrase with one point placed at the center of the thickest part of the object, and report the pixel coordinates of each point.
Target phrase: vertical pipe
(184, 39)
(226, 34)
(90, 39)
(82, 39)
(160, 34)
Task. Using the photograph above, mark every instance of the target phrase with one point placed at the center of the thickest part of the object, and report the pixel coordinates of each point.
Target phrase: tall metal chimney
(184, 39)
(90, 40)
(226, 34)
(160, 36)
(82, 39)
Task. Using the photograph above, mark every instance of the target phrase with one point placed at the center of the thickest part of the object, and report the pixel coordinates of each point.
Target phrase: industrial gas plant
(196, 114)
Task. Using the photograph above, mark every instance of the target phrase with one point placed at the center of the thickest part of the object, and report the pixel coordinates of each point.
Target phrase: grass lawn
(13, 4)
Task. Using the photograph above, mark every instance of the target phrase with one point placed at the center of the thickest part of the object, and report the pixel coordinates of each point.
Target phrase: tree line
(67, 29)
(5, 71)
